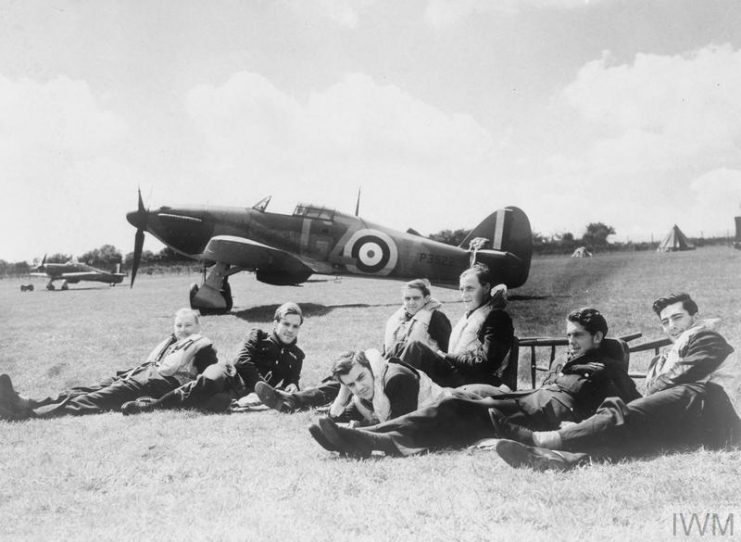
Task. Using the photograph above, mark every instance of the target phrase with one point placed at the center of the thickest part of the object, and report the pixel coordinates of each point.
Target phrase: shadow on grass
(516, 297)
(265, 313)
(76, 289)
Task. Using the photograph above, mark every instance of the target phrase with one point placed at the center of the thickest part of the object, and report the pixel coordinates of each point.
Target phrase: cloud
(355, 132)
(52, 137)
(343, 13)
(445, 13)
(717, 193)
(648, 130)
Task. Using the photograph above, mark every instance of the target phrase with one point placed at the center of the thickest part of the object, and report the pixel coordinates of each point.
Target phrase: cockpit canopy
(310, 211)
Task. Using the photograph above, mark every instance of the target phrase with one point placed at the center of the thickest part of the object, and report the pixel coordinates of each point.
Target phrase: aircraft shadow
(57, 290)
(526, 297)
(265, 313)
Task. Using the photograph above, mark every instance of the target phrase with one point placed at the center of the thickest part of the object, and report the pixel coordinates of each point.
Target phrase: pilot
(375, 389)
(688, 401)
(479, 342)
(571, 391)
(419, 319)
(175, 361)
(271, 357)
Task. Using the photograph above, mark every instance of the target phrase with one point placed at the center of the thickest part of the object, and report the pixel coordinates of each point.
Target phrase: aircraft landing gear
(214, 296)
(50, 286)
(65, 286)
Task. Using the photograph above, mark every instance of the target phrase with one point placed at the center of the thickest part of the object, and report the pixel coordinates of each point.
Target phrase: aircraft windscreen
(309, 211)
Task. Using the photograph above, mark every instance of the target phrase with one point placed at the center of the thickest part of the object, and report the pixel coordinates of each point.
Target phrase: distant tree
(539, 239)
(450, 237)
(106, 255)
(168, 255)
(568, 238)
(147, 257)
(58, 258)
(19, 268)
(597, 234)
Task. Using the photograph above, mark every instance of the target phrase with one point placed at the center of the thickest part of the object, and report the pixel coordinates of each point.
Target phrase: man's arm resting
(402, 390)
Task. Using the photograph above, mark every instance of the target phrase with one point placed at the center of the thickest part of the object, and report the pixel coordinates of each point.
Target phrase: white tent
(581, 252)
(675, 240)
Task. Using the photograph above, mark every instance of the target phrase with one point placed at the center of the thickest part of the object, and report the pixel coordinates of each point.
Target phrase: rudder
(509, 248)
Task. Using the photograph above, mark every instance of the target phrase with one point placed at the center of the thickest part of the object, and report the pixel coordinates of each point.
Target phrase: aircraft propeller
(139, 219)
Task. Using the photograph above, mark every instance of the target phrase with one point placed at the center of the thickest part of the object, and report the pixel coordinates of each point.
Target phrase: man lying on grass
(175, 361)
(686, 403)
(374, 389)
(271, 357)
(594, 369)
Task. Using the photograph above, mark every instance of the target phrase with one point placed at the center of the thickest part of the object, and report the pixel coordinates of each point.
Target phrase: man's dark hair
(591, 319)
(687, 303)
(346, 361)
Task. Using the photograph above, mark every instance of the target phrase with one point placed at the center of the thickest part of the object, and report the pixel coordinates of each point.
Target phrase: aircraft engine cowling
(283, 277)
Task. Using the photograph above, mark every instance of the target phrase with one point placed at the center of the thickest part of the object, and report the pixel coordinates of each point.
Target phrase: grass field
(259, 476)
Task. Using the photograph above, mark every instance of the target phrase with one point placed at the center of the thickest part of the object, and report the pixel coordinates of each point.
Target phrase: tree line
(106, 257)
(595, 239)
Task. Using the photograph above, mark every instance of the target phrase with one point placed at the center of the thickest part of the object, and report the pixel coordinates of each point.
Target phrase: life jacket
(727, 374)
(400, 329)
(465, 335)
(175, 358)
(429, 392)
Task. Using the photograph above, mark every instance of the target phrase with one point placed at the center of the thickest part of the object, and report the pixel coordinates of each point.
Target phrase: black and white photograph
(373, 270)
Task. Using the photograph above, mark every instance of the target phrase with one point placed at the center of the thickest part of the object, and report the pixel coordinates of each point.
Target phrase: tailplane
(503, 241)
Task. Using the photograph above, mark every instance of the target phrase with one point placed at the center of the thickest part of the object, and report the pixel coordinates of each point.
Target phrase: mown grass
(174, 475)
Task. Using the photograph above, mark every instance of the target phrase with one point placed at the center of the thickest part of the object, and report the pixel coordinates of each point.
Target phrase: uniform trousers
(111, 397)
(686, 414)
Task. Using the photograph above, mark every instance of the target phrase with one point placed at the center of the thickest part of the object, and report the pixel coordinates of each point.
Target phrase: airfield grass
(259, 476)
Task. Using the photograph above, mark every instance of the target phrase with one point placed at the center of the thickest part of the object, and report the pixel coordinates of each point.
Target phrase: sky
(619, 111)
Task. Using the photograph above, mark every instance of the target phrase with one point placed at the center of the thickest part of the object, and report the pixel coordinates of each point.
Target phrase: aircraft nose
(137, 219)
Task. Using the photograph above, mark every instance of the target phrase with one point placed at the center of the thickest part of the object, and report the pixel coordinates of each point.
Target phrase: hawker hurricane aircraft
(287, 249)
(72, 272)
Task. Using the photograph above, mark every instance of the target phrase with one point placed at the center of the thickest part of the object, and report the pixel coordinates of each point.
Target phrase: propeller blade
(139, 219)
(138, 246)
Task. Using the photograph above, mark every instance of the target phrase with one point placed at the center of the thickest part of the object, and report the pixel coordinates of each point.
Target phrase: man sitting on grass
(269, 357)
(477, 353)
(686, 403)
(571, 391)
(176, 360)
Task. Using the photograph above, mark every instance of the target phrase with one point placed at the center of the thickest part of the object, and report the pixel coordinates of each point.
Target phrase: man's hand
(291, 388)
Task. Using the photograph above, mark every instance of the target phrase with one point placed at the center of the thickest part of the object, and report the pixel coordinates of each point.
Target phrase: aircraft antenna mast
(357, 203)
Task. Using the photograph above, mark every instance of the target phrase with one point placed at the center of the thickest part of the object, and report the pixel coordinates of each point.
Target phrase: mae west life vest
(176, 358)
(401, 329)
(429, 392)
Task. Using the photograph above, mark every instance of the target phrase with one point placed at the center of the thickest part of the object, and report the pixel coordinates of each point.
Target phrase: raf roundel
(374, 252)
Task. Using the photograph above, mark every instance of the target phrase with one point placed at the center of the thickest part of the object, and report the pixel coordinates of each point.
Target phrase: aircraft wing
(272, 265)
(81, 275)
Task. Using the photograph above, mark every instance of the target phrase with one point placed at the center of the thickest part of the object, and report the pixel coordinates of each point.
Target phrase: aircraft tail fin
(503, 241)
